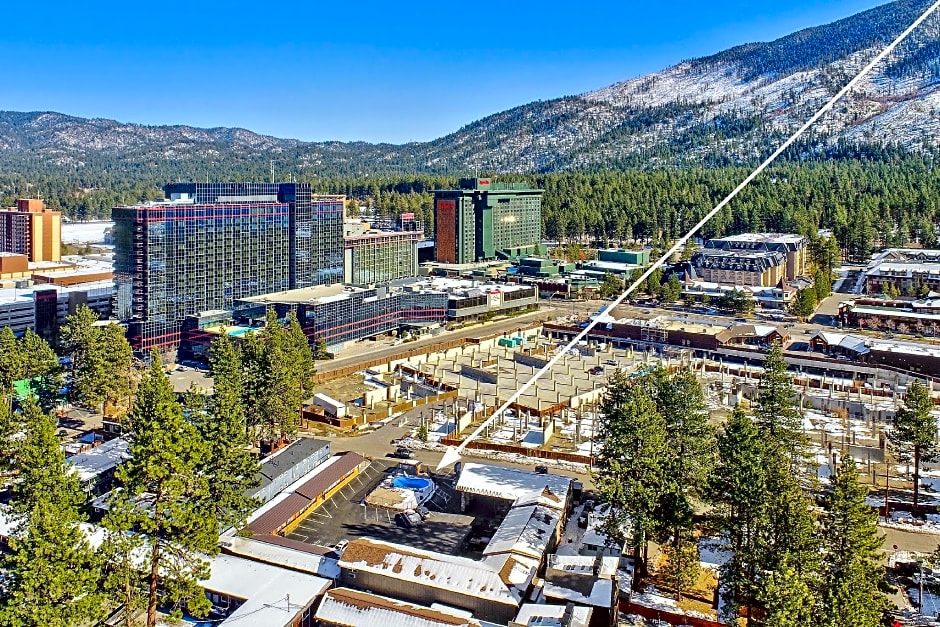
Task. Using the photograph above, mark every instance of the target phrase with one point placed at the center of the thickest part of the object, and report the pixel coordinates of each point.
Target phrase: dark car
(402, 452)
(409, 519)
(583, 521)
(541, 469)
(588, 505)
(596, 370)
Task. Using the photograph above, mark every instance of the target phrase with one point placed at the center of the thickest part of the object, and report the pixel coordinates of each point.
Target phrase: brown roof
(330, 476)
(271, 521)
(313, 549)
(365, 600)
(278, 516)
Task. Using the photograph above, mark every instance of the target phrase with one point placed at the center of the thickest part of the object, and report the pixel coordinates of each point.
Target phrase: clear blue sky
(357, 70)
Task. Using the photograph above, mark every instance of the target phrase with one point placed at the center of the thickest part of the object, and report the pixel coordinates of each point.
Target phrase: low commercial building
(909, 272)
(346, 313)
(539, 615)
(426, 577)
(43, 308)
(247, 592)
(484, 481)
(344, 607)
(584, 582)
(95, 468)
(288, 465)
(917, 317)
(306, 494)
(913, 356)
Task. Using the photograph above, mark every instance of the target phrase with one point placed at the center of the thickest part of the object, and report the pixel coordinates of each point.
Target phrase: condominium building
(483, 217)
(211, 244)
(910, 272)
(32, 230)
(792, 246)
(744, 268)
(373, 256)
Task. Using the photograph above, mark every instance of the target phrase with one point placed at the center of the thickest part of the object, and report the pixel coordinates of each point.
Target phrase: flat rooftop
(317, 293)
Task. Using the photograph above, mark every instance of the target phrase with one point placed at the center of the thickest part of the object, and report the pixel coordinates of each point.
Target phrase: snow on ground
(905, 522)
(84, 232)
(652, 598)
(712, 553)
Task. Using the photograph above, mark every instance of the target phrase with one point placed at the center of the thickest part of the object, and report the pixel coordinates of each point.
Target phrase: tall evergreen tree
(688, 456)
(166, 498)
(851, 573)
(41, 366)
(11, 364)
(233, 468)
(630, 473)
(53, 571)
(777, 414)
(738, 491)
(788, 600)
(915, 431)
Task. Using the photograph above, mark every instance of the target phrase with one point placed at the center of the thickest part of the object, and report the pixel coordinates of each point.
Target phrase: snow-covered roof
(352, 608)
(274, 596)
(525, 531)
(538, 615)
(425, 568)
(601, 593)
(277, 555)
(509, 483)
(100, 459)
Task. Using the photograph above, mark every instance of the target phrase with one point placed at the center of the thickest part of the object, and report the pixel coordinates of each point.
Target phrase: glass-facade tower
(211, 244)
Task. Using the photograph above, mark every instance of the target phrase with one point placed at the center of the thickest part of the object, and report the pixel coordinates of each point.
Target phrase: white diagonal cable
(450, 458)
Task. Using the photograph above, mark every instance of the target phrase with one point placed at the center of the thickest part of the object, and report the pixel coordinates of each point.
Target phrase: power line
(453, 453)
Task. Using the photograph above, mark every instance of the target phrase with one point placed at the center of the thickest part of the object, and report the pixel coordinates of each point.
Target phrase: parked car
(541, 469)
(408, 519)
(611, 362)
(402, 452)
(583, 520)
(588, 505)
(596, 370)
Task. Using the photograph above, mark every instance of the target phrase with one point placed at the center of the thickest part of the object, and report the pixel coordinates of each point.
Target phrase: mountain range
(732, 107)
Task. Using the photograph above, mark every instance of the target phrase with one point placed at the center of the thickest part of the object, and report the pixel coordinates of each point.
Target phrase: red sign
(484, 181)
(408, 216)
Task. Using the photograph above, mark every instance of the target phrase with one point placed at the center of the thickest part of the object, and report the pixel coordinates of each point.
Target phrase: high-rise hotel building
(482, 217)
(211, 244)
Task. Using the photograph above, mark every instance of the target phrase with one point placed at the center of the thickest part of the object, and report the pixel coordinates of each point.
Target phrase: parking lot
(344, 517)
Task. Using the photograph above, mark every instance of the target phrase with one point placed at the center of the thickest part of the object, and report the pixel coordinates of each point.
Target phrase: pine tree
(233, 468)
(41, 366)
(630, 473)
(851, 573)
(53, 571)
(681, 567)
(914, 432)
(787, 598)
(166, 498)
(11, 366)
(77, 339)
(688, 456)
(738, 491)
(116, 351)
(301, 354)
(777, 415)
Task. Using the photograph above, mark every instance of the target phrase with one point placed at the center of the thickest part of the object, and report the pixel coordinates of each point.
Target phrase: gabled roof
(426, 568)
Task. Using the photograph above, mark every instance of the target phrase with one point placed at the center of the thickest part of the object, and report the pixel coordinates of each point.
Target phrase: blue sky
(356, 70)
